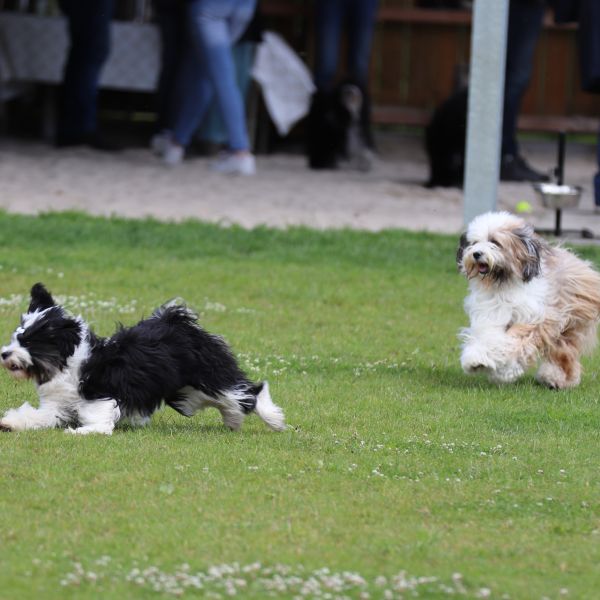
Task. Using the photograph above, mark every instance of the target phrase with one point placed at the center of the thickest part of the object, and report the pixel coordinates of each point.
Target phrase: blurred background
(420, 55)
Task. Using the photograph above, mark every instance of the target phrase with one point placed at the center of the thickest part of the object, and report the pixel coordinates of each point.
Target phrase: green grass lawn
(398, 477)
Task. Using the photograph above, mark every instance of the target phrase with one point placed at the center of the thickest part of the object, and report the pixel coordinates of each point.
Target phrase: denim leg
(239, 18)
(192, 94)
(524, 27)
(329, 20)
(89, 31)
(170, 21)
(361, 23)
(212, 128)
(215, 24)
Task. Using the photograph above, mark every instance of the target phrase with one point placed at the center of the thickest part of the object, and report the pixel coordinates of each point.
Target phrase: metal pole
(486, 100)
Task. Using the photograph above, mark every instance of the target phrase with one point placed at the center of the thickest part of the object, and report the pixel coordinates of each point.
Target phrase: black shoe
(514, 168)
(93, 140)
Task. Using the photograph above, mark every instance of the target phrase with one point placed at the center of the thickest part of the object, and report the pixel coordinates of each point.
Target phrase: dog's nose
(5, 355)
(476, 255)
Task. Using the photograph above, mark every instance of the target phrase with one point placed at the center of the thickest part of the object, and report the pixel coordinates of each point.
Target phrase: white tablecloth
(33, 49)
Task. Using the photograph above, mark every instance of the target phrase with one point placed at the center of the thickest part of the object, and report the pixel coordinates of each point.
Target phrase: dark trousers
(89, 33)
(170, 18)
(597, 176)
(357, 18)
(524, 27)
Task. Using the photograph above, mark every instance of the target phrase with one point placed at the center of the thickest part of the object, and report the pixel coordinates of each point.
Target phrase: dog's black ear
(461, 249)
(531, 259)
(40, 298)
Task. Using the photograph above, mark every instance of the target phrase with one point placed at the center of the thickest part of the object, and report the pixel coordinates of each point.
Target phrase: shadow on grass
(165, 426)
(454, 378)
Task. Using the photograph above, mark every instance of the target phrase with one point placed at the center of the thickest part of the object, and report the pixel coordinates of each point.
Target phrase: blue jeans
(212, 129)
(208, 69)
(89, 33)
(524, 26)
(332, 17)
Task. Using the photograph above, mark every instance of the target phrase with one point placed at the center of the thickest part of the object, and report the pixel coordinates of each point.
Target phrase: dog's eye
(496, 243)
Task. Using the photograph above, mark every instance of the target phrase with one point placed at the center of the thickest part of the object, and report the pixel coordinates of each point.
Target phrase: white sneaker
(172, 153)
(238, 164)
(159, 142)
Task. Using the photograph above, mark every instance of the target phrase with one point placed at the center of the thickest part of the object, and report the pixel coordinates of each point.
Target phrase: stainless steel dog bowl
(556, 196)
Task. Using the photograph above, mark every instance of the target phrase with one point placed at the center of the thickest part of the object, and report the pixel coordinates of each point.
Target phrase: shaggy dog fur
(528, 303)
(338, 129)
(89, 383)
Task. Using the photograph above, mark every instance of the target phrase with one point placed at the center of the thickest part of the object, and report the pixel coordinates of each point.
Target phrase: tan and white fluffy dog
(529, 303)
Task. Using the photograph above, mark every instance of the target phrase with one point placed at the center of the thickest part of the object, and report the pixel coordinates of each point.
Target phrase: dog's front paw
(474, 360)
(104, 430)
(507, 373)
(11, 421)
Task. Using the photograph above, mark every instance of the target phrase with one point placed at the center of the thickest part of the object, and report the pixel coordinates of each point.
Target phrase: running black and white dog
(88, 384)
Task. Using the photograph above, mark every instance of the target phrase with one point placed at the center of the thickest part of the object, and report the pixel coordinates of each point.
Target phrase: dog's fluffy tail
(268, 411)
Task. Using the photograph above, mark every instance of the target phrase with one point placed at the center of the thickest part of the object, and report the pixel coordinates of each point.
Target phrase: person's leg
(217, 23)
(361, 23)
(524, 27)
(89, 31)
(597, 176)
(212, 129)
(239, 19)
(193, 89)
(170, 20)
(329, 20)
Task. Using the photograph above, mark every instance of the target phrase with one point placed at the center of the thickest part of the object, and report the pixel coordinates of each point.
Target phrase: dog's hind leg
(97, 416)
(136, 420)
(237, 403)
(231, 411)
(188, 401)
(561, 367)
(561, 370)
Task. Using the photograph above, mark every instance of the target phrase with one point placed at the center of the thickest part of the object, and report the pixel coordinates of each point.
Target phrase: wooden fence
(418, 52)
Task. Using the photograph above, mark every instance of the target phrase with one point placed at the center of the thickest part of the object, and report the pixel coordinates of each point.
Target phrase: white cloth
(34, 49)
(285, 80)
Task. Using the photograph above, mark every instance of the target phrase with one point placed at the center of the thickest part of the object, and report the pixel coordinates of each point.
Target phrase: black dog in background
(445, 141)
(338, 128)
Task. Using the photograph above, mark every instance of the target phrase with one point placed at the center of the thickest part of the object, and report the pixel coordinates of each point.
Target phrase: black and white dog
(338, 130)
(88, 383)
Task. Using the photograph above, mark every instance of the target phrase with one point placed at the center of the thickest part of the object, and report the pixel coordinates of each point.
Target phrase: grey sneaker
(172, 154)
(235, 164)
(159, 142)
